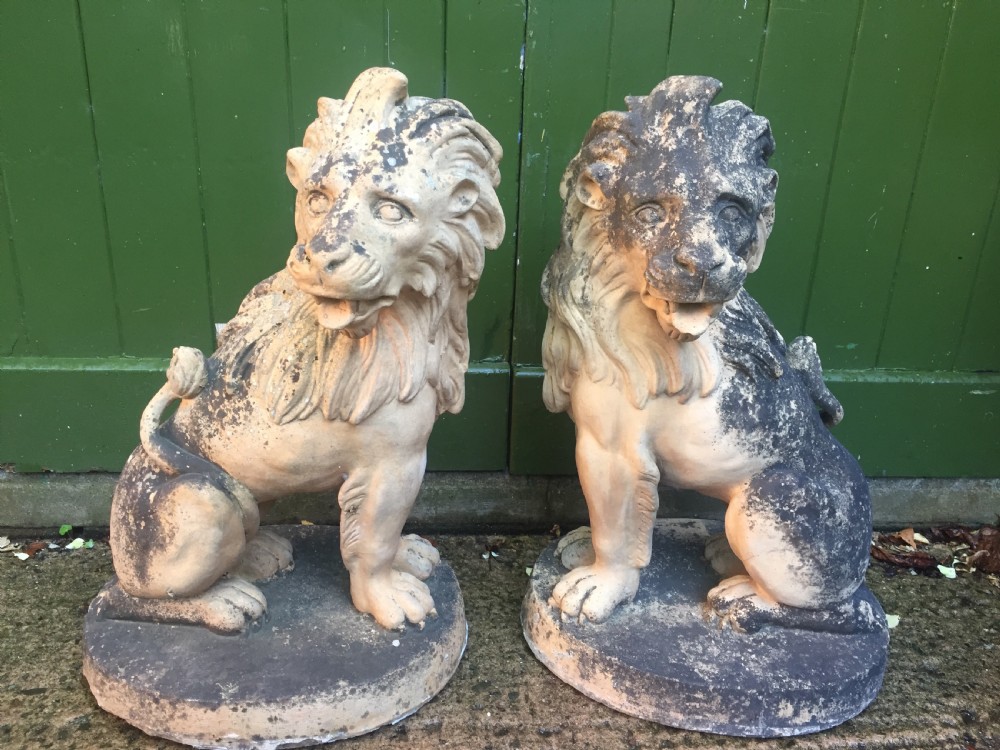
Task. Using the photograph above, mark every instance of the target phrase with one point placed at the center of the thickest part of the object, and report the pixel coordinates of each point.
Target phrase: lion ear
(590, 186)
(468, 197)
(297, 164)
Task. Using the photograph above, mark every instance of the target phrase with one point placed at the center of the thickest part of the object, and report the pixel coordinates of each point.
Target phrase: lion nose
(697, 260)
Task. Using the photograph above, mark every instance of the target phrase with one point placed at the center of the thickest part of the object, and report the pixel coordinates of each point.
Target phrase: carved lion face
(684, 190)
(383, 181)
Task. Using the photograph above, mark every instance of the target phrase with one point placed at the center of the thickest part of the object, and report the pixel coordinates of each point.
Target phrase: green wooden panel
(149, 164)
(415, 43)
(238, 75)
(803, 73)
(897, 424)
(11, 323)
(540, 442)
(329, 43)
(640, 41)
(952, 201)
(980, 345)
(73, 414)
(52, 184)
(83, 415)
(921, 424)
(722, 39)
(476, 438)
(483, 71)
(888, 100)
(563, 53)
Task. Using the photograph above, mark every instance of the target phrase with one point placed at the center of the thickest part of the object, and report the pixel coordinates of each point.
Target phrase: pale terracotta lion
(330, 376)
(673, 374)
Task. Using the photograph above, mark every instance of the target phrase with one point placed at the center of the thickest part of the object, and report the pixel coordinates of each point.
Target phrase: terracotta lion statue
(330, 376)
(673, 374)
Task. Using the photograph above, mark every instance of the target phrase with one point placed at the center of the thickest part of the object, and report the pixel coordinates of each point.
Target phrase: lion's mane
(597, 323)
(276, 344)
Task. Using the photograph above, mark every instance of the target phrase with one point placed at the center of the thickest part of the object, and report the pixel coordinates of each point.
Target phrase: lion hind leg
(741, 604)
(179, 540)
(227, 606)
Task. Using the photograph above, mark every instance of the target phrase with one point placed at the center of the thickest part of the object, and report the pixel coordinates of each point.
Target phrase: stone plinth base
(658, 658)
(316, 671)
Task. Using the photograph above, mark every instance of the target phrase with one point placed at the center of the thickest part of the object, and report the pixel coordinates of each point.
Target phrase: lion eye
(650, 214)
(390, 212)
(318, 203)
(732, 213)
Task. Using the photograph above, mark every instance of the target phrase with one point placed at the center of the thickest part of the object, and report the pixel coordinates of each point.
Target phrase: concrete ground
(942, 688)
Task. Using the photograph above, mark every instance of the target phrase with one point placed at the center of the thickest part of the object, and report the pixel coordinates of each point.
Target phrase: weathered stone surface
(673, 374)
(328, 379)
(314, 671)
(661, 657)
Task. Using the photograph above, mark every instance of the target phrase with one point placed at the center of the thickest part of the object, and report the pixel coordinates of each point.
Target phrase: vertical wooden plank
(52, 184)
(640, 40)
(237, 55)
(564, 53)
(147, 146)
(719, 38)
(414, 43)
(11, 302)
(980, 346)
(483, 71)
(952, 200)
(889, 96)
(803, 74)
(329, 44)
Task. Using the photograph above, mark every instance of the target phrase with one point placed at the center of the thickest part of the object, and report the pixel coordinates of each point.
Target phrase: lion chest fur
(291, 406)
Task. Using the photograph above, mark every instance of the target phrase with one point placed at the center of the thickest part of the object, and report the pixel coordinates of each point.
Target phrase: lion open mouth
(355, 316)
(684, 321)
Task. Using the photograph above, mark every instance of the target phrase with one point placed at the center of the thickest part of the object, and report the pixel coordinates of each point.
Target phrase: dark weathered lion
(673, 374)
(330, 376)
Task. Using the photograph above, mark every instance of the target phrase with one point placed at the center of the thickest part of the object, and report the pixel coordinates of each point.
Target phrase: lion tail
(186, 377)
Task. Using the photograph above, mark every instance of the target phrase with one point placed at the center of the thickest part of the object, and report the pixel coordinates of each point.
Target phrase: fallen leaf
(21, 555)
(892, 621)
(527, 571)
(904, 558)
(306, 523)
(75, 544)
(34, 548)
(89, 544)
(918, 537)
(65, 529)
(946, 571)
(908, 538)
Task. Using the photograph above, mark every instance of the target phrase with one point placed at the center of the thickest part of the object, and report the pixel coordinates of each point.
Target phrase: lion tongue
(693, 318)
(336, 313)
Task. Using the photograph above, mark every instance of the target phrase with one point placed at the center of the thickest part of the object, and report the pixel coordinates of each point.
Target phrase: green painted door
(142, 193)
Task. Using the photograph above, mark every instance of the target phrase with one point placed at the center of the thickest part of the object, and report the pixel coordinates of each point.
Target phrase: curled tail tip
(187, 374)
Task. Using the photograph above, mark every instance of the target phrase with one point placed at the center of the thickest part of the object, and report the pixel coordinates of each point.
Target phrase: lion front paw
(265, 556)
(591, 592)
(416, 556)
(393, 599)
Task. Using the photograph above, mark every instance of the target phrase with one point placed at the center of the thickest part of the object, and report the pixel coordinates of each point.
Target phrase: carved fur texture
(673, 374)
(330, 375)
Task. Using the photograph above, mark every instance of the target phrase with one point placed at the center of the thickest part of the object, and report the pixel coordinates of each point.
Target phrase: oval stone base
(316, 671)
(658, 658)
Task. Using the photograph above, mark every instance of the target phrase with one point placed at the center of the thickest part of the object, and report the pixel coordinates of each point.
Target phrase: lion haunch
(673, 373)
(330, 376)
